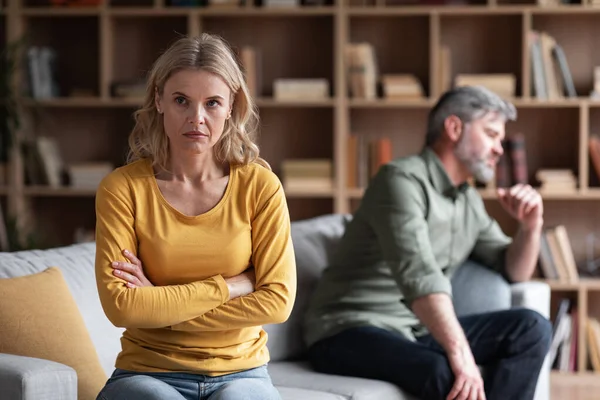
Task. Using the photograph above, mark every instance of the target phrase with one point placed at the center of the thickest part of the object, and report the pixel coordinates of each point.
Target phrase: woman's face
(195, 105)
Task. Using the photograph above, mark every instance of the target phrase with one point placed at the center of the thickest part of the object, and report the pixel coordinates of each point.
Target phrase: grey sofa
(314, 241)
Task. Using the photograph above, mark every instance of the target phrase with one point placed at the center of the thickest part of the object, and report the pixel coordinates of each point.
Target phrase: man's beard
(478, 166)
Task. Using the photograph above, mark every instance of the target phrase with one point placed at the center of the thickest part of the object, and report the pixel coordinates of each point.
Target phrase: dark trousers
(511, 346)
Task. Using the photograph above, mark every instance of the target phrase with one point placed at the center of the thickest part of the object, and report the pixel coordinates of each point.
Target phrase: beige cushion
(39, 318)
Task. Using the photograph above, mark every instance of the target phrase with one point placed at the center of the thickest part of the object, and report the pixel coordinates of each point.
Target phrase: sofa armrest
(535, 296)
(532, 295)
(27, 378)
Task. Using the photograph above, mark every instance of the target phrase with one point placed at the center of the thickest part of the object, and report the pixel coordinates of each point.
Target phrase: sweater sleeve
(275, 268)
(148, 307)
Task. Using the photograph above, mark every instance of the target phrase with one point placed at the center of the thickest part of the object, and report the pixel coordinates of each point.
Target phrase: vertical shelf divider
(341, 113)
(582, 313)
(526, 58)
(434, 55)
(19, 206)
(106, 54)
(584, 135)
(194, 24)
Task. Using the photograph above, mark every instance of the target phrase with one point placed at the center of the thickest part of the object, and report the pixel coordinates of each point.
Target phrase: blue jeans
(253, 384)
(510, 344)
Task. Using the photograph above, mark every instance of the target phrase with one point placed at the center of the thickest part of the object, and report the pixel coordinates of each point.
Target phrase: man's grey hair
(468, 103)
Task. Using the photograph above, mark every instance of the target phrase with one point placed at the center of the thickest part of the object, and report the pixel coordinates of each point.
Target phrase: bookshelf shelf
(276, 12)
(562, 103)
(487, 194)
(129, 11)
(564, 9)
(86, 102)
(425, 103)
(570, 286)
(387, 103)
(272, 103)
(59, 12)
(355, 193)
(301, 194)
(43, 191)
(117, 42)
(132, 3)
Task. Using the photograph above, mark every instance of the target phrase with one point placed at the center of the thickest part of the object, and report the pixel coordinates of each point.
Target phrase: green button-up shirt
(411, 232)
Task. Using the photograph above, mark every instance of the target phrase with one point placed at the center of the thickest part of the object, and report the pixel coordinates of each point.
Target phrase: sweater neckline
(220, 204)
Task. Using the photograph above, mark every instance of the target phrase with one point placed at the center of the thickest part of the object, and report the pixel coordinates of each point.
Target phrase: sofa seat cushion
(39, 319)
(298, 374)
(306, 394)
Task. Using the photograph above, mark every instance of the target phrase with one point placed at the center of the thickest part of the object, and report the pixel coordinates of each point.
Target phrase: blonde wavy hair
(210, 53)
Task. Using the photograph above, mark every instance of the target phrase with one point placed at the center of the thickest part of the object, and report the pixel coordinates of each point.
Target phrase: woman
(193, 244)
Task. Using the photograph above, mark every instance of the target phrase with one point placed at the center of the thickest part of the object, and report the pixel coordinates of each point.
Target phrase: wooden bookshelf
(119, 40)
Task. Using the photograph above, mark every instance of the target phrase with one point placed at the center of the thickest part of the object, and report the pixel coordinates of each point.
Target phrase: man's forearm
(436, 312)
(522, 254)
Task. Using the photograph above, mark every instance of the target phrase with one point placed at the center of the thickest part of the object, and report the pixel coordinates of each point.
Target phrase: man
(383, 308)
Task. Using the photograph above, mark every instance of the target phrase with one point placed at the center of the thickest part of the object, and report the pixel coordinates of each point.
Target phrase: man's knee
(539, 328)
(440, 381)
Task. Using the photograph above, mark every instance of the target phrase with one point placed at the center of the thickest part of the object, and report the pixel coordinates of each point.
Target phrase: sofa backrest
(76, 263)
(314, 241)
(475, 289)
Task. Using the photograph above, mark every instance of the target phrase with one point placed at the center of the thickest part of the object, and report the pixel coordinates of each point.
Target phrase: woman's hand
(242, 284)
(131, 272)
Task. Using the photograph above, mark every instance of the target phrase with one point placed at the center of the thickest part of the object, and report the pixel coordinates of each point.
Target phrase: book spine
(503, 169)
(518, 159)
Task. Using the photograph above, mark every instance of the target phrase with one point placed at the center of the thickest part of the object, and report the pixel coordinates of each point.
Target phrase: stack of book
(594, 151)
(281, 3)
(362, 70)
(504, 85)
(88, 175)
(365, 158)
(563, 348)
(592, 333)
(402, 87)
(68, 3)
(557, 261)
(300, 89)
(556, 180)
(42, 63)
(551, 75)
(512, 166)
(307, 174)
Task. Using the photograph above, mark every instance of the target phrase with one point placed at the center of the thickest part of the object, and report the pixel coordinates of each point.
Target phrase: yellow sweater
(184, 322)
